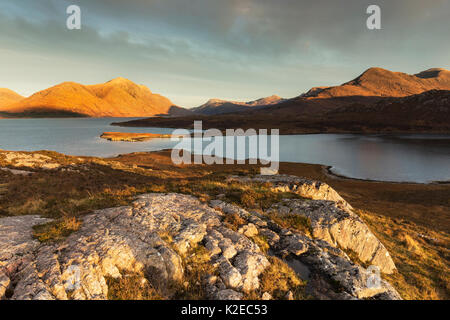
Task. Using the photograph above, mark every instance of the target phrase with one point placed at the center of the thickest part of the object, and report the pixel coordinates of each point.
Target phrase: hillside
(377, 101)
(117, 98)
(8, 97)
(385, 83)
(425, 112)
(217, 106)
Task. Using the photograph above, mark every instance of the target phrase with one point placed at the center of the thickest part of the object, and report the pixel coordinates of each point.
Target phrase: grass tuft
(131, 286)
(56, 230)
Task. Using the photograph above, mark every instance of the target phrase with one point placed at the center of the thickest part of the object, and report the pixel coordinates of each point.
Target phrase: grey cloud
(227, 48)
(277, 26)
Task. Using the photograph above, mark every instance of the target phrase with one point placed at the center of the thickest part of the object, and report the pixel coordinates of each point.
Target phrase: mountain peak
(376, 70)
(8, 96)
(374, 73)
(118, 97)
(215, 100)
(379, 82)
(120, 80)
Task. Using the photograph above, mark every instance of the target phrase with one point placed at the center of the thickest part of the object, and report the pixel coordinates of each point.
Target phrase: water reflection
(414, 158)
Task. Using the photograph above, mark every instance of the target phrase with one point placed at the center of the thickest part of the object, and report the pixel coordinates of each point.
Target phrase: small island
(132, 137)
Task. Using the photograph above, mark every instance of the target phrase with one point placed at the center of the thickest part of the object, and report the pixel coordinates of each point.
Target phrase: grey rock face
(315, 190)
(334, 275)
(124, 239)
(332, 218)
(341, 229)
(17, 247)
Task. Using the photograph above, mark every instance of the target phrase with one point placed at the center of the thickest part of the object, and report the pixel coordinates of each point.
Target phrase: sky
(194, 50)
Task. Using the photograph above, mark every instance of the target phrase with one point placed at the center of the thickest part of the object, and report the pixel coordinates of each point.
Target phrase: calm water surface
(413, 158)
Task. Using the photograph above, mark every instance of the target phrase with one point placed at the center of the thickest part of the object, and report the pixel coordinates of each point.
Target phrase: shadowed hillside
(377, 101)
(428, 112)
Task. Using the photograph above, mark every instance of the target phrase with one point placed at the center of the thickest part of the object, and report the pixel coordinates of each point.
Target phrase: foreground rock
(330, 272)
(311, 189)
(127, 239)
(154, 235)
(17, 247)
(332, 218)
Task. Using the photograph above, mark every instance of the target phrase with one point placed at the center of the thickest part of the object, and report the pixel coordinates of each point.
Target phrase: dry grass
(262, 243)
(234, 221)
(293, 221)
(55, 194)
(421, 255)
(3, 188)
(56, 230)
(131, 286)
(278, 279)
(197, 263)
(31, 206)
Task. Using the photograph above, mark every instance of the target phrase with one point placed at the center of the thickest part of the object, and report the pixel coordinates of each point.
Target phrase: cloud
(219, 48)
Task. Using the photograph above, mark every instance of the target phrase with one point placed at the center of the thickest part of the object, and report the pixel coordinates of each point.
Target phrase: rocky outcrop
(29, 160)
(17, 172)
(127, 239)
(17, 247)
(331, 273)
(311, 189)
(340, 229)
(332, 218)
(155, 234)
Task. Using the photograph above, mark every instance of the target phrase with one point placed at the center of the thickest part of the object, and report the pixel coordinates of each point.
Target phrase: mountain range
(385, 83)
(218, 106)
(116, 98)
(377, 101)
(374, 82)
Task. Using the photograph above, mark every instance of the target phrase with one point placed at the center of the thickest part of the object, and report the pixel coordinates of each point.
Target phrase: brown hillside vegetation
(426, 112)
(385, 83)
(377, 101)
(117, 98)
(8, 97)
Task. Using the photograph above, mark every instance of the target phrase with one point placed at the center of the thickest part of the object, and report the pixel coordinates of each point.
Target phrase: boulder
(341, 229)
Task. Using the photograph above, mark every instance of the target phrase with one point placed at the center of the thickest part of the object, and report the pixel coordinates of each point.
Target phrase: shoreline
(327, 169)
(288, 132)
(284, 132)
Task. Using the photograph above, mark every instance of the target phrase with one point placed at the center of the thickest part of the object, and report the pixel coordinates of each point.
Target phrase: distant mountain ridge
(375, 102)
(384, 83)
(119, 97)
(218, 106)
